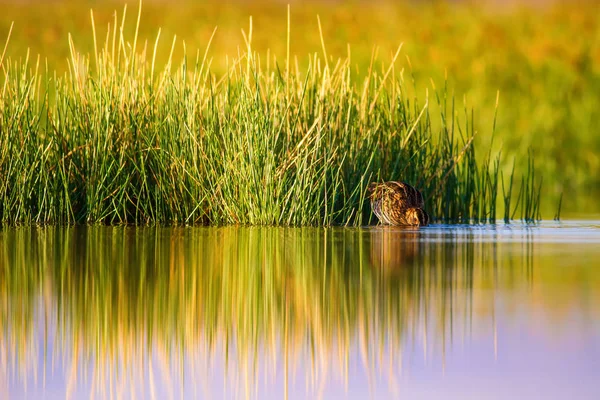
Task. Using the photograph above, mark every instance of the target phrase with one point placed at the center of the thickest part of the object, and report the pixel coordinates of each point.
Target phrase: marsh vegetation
(118, 139)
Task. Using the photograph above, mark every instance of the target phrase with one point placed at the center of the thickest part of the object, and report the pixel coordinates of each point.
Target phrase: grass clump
(544, 58)
(118, 140)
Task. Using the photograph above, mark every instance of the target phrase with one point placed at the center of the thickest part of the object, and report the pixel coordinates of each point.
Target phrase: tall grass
(543, 58)
(118, 140)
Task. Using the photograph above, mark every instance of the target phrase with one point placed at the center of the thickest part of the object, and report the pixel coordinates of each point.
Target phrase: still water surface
(453, 312)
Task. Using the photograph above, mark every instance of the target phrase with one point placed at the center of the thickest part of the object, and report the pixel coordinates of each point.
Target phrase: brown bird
(397, 203)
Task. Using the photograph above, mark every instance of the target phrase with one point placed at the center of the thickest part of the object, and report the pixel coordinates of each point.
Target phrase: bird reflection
(394, 248)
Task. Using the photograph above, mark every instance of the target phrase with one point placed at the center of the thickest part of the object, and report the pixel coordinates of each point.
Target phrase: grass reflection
(118, 307)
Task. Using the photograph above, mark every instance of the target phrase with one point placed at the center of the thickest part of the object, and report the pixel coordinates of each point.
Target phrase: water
(451, 312)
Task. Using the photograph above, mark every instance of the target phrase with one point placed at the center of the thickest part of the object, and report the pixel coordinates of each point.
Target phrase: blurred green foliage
(544, 61)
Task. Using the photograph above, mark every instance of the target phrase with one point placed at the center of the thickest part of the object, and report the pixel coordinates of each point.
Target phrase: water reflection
(271, 312)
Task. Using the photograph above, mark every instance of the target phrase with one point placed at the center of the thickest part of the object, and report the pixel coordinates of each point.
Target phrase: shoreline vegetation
(118, 139)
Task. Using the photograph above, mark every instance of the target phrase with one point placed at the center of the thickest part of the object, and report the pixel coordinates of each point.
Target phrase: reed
(119, 140)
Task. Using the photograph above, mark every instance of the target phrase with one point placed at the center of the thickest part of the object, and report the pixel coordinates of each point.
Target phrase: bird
(397, 203)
